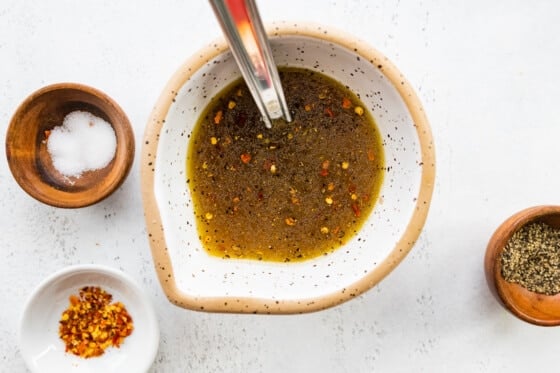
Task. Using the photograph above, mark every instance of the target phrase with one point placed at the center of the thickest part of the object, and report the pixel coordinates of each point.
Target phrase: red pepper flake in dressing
(245, 158)
(329, 112)
(290, 221)
(218, 117)
(325, 168)
(356, 210)
(346, 103)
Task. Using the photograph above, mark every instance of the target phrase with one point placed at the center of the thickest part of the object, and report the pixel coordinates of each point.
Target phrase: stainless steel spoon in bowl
(243, 29)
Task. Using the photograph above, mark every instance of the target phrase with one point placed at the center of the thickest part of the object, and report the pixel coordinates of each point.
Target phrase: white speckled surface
(487, 73)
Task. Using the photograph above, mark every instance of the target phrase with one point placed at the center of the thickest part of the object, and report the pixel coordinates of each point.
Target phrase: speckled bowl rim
(155, 229)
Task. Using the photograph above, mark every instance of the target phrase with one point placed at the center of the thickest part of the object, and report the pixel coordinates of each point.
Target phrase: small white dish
(44, 351)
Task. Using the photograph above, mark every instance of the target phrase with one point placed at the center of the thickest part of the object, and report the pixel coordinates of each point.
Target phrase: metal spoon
(243, 29)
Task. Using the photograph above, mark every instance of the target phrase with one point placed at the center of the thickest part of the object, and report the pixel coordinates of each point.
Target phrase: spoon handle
(243, 29)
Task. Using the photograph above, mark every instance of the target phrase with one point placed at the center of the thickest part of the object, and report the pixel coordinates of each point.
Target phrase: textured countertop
(487, 73)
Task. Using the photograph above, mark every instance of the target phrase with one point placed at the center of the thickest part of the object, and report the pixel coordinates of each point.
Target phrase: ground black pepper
(531, 258)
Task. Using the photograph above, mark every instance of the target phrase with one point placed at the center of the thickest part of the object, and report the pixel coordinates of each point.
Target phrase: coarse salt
(82, 143)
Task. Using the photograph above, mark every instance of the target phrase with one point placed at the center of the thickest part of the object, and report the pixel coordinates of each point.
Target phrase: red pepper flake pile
(91, 323)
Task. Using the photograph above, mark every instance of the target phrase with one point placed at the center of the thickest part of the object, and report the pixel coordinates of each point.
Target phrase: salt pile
(82, 143)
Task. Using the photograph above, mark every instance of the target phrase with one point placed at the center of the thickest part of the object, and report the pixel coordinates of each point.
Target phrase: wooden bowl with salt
(535, 307)
(92, 154)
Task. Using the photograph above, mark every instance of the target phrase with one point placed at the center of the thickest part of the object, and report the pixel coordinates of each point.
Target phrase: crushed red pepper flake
(356, 210)
(346, 103)
(325, 168)
(329, 112)
(245, 158)
(91, 323)
(218, 117)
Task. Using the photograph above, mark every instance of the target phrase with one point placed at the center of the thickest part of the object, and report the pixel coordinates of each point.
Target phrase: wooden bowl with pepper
(522, 265)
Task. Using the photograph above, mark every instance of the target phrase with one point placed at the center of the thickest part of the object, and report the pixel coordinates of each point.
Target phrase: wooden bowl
(538, 309)
(30, 162)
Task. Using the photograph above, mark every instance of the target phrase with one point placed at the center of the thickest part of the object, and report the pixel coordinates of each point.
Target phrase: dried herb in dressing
(531, 258)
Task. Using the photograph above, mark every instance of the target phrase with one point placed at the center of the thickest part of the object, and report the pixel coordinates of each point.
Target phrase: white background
(488, 73)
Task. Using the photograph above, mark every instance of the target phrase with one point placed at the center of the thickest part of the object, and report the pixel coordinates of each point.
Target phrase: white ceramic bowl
(44, 351)
(193, 279)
